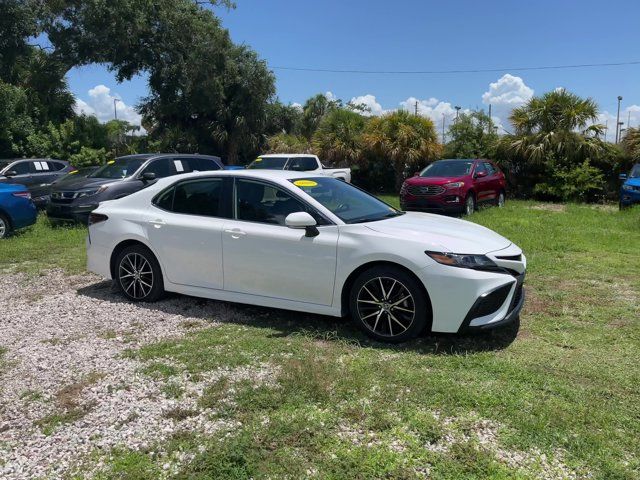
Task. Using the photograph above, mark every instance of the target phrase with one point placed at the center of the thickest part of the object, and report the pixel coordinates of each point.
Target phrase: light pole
(115, 111)
(443, 128)
(457, 112)
(618, 119)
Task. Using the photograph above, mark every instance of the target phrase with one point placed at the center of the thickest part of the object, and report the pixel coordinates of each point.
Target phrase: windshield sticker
(73, 172)
(305, 183)
(179, 167)
(111, 162)
(258, 159)
(37, 165)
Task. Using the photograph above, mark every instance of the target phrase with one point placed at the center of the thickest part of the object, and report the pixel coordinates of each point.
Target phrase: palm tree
(406, 140)
(338, 139)
(558, 124)
(631, 143)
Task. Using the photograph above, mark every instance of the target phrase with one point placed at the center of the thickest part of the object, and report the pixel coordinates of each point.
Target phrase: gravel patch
(68, 391)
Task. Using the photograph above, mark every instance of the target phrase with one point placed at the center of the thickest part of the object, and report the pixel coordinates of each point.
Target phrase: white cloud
(297, 105)
(504, 95)
(101, 104)
(369, 102)
(330, 96)
(630, 114)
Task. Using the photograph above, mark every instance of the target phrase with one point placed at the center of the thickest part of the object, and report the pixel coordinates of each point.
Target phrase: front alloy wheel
(469, 205)
(388, 304)
(4, 227)
(500, 201)
(138, 275)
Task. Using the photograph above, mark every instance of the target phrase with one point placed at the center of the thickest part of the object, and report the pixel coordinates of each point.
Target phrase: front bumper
(70, 212)
(629, 197)
(451, 203)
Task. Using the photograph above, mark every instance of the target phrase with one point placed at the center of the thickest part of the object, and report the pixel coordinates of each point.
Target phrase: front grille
(516, 297)
(425, 190)
(513, 258)
(63, 197)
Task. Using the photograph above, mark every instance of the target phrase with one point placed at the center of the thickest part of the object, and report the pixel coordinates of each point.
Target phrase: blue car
(16, 208)
(630, 190)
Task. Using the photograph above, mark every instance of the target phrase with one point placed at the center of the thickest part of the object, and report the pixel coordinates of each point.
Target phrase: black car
(76, 195)
(37, 174)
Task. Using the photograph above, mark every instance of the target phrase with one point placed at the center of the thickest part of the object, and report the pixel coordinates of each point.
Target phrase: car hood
(633, 181)
(12, 187)
(80, 182)
(432, 180)
(440, 233)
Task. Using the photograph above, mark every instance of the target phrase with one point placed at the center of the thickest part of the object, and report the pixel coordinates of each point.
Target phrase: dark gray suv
(37, 174)
(75, 196)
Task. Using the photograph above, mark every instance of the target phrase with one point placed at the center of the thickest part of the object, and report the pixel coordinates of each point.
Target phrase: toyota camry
(310, 243)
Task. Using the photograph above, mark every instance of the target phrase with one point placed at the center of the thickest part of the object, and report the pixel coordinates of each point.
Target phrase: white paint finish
(280, 267)
(279, 262)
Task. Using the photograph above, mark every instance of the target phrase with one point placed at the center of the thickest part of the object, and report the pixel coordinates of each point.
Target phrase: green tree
(283, 118)
(286, 143)
(631, 143)
(314, 110)
(16, 123)
(472, 136)
(407, 141)
(338, 138)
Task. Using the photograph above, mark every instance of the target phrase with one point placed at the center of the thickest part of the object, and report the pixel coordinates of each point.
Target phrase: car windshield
(635, 171)
(118, 168)
(348, 203)
(268, 163)
(448, 168)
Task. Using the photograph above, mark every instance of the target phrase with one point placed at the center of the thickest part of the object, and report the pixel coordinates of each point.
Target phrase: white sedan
(310, 243)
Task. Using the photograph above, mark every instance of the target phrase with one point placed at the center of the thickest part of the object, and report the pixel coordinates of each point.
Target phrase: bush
(88, 157)
(581, 183)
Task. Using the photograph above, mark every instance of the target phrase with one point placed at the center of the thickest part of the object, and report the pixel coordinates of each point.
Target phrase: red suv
(454, 186)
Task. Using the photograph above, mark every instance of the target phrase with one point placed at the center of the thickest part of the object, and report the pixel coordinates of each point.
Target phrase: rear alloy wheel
(388, 304)
(500, 200)
(469, 204)
(5, 228)
(138, 274)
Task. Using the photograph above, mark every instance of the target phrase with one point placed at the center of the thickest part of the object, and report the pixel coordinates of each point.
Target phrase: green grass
(43, 247)
(341, 406)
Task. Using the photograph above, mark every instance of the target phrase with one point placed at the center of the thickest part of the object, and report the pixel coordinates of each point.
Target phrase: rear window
(268, 163)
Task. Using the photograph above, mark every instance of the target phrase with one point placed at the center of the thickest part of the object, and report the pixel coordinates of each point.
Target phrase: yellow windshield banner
(111, 162)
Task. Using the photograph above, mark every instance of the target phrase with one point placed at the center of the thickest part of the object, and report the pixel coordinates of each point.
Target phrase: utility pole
(457, 112)
(115, 111)
(618, 119)
(490, 119)
(606, 129)
(629, 120)
(443, 128)
(416, 108)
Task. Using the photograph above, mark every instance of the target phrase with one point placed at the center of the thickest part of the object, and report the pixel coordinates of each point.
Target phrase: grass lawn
(561, 397)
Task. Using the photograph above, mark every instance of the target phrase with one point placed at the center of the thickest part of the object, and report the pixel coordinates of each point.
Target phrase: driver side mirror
(148, 177)
(304, 220)
(11, 173)
(480, 174)
(623, 176)
(417, 174)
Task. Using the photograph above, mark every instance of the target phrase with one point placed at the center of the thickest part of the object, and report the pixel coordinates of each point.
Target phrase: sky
(422, 35)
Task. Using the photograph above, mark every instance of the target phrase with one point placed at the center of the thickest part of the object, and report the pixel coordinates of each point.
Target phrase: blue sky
(424, 35)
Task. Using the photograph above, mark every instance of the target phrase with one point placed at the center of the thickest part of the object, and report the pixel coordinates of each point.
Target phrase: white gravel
(65, 338)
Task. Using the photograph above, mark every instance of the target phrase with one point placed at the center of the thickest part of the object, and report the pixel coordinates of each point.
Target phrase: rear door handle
(235, 232)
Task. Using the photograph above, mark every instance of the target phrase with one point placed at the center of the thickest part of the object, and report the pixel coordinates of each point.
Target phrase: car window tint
(165, 199)
(198, 197)
(480, 168)
(21, 168)
(162, 167)
(195, 164)
(55, 166)
(260, 202)
(303, 164)
(489, 167)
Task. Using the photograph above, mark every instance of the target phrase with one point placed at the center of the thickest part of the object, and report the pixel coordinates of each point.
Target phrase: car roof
(287, 155)
(11, 160)
(145, 156)
(278, 176)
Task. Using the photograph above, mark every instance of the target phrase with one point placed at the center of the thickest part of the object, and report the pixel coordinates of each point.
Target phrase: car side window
(165, 199)
(163, 167)
(199, 197)
(490, 169)
(302, 164)
(480, 168)
(194, 164)
(56, 166)
(260, 202)
(40, 166)
(21, 168)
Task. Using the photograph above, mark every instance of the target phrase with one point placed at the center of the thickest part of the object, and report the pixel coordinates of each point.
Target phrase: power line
(442, 72)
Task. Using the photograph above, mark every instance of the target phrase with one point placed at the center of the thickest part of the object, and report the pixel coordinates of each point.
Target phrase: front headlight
(476, 262)
(627, 188)
(89, 193)
(454, 185)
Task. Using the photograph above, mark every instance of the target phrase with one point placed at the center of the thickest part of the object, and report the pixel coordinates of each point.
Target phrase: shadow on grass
(287, 323)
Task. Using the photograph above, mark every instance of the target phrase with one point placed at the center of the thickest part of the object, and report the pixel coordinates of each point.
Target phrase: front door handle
(157, 223)
(235, 232)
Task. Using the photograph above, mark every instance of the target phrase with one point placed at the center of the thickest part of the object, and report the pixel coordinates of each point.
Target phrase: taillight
(26, 195)
(97, 218)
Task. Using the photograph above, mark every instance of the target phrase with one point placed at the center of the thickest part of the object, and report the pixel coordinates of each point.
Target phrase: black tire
(5, 226)
(138, 274)
(469, 204)
(621, 206)
(379, 319)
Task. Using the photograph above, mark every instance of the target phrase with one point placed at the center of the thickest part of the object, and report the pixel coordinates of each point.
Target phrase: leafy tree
(283, 118)
(406, 140)
(286, 143)
(338, 138)
(472, 136)
(15, 122)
